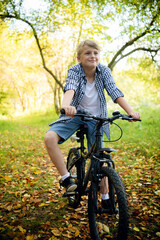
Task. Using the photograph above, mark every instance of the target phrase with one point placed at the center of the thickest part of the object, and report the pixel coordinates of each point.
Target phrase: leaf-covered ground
(31, 206)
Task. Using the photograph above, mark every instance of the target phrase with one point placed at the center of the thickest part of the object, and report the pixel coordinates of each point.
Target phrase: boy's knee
(50, 137)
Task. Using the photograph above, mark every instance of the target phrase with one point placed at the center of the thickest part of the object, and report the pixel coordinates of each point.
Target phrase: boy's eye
(95, 53)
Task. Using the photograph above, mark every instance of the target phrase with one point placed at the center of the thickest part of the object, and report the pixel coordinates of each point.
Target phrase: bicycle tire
(74, 169)
(105, 225)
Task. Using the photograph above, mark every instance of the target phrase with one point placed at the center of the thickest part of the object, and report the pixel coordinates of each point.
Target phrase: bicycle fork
(97, 177)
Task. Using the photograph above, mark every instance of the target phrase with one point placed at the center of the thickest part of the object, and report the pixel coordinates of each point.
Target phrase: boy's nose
(92, 54)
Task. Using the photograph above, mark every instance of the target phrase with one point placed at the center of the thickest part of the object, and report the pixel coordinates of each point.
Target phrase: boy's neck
(90, 74)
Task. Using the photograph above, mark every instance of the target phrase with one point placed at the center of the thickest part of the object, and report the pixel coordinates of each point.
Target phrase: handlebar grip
(136, 119)
(62, 111)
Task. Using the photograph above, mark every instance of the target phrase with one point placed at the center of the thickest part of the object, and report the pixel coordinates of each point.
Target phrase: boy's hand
(69, 110)
(135, 115)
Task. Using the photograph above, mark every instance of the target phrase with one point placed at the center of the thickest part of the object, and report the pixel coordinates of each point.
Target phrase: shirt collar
(83, 73)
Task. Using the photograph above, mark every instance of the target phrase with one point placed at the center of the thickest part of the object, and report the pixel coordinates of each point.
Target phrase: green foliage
(141, 82)
(39, 119)
(140, 137)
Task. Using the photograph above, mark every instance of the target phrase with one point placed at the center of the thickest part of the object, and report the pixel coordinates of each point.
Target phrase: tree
(138, 23)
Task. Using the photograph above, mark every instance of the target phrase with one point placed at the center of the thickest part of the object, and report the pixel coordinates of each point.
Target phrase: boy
(84, 89)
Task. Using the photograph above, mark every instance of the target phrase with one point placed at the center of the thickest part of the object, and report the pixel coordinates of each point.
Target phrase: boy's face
(89, 57)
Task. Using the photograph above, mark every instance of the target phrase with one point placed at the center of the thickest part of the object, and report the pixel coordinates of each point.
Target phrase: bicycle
(104, 223)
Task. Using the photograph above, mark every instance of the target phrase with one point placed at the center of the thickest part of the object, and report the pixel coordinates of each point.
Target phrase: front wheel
(106, 224)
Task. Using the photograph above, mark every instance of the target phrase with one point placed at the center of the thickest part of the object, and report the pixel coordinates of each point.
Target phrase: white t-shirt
(91, 100)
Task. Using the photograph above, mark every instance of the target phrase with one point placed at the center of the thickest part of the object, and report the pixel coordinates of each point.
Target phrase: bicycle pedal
(109, 211)
(103, 210)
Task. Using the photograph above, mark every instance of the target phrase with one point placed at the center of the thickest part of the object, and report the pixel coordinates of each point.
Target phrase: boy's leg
(57, 134)
(51, 141)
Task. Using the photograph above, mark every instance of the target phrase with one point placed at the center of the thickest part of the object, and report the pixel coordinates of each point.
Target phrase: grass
(31, 206)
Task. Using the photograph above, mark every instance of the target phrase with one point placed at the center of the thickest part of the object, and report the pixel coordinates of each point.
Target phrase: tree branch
(3, 16)
(129, 43)
(138, 49)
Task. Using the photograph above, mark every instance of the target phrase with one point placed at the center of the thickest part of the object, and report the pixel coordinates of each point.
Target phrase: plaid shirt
(76, 80)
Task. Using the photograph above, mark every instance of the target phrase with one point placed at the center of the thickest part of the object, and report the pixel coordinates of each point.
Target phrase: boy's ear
(78, 58)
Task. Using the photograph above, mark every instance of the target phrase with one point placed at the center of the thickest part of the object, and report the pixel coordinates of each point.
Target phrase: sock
(65, 176)
(105, 196)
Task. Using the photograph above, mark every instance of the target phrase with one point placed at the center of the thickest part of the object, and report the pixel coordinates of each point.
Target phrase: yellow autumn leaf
(21, 229)
(158, 234)
(102, 227)
(8, 178)
(70, 225)
(156, 212)
(136, 229)
(30, 237)
(42, 205)
(157, 192)
(18, 206)
(37, 172)
(106, 228)
(55, 232)
(76, 233)
(144, 229)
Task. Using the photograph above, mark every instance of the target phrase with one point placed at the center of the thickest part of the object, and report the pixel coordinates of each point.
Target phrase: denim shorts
(66, 129)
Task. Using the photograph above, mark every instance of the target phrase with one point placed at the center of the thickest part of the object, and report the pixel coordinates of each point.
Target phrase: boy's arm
(124, 104)
(67, 99)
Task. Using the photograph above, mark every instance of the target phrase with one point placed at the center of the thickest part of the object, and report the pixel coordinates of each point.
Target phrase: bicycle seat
(108, 150)
(83, 130)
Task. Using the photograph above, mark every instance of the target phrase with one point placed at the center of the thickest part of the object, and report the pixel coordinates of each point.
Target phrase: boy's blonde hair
(89, 43)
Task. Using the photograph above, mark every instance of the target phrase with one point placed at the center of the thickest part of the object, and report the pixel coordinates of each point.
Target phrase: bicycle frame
(96, 147)
(96, 153)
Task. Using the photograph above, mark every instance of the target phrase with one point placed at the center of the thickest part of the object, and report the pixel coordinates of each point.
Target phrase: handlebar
(116, 115)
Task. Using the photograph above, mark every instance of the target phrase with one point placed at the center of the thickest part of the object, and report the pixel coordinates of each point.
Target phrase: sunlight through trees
(38, 45)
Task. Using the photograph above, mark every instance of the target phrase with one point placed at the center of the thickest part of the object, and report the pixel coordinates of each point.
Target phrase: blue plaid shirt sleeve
(113, 91)
(72, 80)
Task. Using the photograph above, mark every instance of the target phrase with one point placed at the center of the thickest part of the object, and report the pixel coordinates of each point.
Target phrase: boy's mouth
(92, 61)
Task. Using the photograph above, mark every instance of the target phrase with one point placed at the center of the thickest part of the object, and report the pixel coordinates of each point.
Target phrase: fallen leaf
(102, 227)
(158, 234)
(21, 229)
(77, 233)
(30, 237)
(42, 205)
(55, 232)
(8, 178)
(136, 229)
(37, 172)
